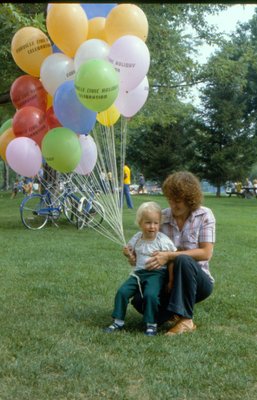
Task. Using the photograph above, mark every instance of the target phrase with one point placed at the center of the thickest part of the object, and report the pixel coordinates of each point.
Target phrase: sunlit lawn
(57, 290)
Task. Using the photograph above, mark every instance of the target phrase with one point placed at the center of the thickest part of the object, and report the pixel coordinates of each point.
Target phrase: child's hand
(128, 252)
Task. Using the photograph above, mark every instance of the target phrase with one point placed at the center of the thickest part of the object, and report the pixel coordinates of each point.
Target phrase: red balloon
(30, 122)
(28, 91)
(51, 118)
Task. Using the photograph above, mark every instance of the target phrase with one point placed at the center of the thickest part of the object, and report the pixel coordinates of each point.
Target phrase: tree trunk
(6, 184)
(218, 191)
(5, 98)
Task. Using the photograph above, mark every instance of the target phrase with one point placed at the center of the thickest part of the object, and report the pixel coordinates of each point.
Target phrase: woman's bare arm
(159, 258)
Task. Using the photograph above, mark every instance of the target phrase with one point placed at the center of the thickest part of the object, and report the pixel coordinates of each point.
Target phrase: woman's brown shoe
(182, 326)
(173, 320)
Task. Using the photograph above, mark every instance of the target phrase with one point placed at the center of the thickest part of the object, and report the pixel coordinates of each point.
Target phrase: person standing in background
(141, 182)
(126, 185)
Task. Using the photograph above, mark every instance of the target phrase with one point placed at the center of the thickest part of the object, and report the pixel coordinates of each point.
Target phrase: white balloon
(55, 70)
(92, 48)
(130, 102)
(89, 155)
(131, 59)
(24, 156)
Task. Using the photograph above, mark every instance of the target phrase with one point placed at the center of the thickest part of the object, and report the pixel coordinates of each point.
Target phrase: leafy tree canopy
(171, 49)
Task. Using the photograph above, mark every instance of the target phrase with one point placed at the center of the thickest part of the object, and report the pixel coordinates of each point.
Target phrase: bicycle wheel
(30, 213)
(69, 209)
(96, 215)
(92, 218)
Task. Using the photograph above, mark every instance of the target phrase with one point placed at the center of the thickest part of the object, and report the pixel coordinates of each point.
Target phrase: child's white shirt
(145, 248)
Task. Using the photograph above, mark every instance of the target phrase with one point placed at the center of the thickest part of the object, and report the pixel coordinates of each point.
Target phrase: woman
(191, 227)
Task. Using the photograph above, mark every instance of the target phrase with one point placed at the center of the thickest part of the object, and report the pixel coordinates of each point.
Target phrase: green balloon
(61, 149)
(7, 124)
(97, 84)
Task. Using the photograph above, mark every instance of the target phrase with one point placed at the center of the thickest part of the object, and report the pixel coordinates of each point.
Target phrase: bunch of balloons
(90, 67)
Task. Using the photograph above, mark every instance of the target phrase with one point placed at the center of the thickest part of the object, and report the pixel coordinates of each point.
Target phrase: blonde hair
(148, 206)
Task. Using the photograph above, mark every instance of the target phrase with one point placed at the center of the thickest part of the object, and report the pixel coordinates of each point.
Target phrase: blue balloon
(97, 10)
(70, 111)
(56, 49)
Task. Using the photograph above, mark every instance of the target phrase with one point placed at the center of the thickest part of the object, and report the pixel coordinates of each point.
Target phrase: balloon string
(104, 181)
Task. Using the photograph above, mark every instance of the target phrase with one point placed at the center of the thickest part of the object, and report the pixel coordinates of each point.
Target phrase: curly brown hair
(184, 186)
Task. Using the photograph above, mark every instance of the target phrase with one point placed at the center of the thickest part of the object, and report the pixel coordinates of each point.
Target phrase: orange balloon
(67, 25)
(29, 47)
(126, 19)
(96, 28)
(5, 139)
(49, 101)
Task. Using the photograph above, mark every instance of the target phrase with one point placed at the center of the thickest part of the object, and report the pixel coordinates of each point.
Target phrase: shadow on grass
(99, 318)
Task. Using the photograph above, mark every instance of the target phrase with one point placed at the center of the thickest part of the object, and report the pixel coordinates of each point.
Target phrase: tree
(226, 136)
(174, 68)
(173, 65)
(160, 150)
(13, 17)
(166, 24)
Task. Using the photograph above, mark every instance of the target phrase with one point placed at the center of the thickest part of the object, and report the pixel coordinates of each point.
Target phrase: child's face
(150, 224)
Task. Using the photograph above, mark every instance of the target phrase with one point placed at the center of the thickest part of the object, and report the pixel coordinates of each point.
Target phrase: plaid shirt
(198, 228)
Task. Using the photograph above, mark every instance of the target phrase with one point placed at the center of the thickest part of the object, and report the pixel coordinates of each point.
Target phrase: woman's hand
(131, 256)
(158, 259)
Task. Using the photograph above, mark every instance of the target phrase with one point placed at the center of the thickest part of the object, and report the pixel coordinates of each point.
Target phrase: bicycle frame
(50, 210)
(37, 209)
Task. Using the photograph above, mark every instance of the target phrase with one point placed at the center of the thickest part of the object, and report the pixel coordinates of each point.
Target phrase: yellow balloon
(126, 19)
(108, 117)
(29, 47)
(5, 139)
(67, 25)
(49, 101)
(96, 28)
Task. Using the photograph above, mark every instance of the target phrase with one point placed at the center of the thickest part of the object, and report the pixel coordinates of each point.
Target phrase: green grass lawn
(57, 287)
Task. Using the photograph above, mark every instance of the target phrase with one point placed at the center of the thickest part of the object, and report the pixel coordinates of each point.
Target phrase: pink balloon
(131, 59)
(89, 155)
(129, 103)
(24, 156)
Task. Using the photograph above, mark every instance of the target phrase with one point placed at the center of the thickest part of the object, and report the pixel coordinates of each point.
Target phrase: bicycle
(37, 209)
(89, 212)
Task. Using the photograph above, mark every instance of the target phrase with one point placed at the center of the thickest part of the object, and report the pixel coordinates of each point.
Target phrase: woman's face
(179, 208)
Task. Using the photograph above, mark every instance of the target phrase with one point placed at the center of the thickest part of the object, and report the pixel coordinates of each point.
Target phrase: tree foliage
(14, 16)
(159, 150)
(227, 136)
(171, 50)
(218, 141)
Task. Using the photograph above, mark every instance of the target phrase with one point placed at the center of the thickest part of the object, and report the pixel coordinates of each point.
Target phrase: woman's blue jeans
(191, 285)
